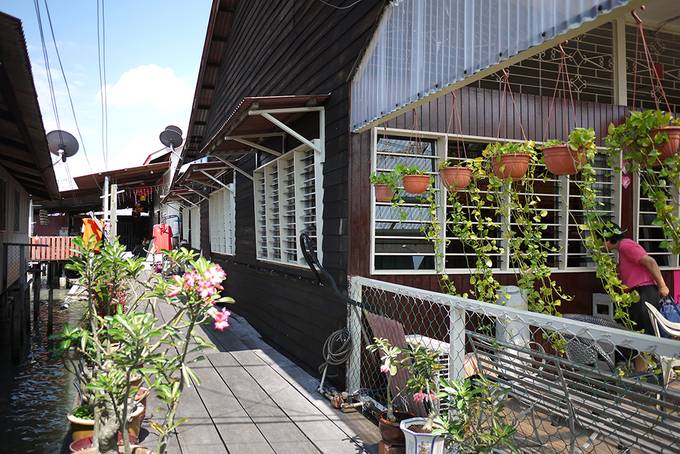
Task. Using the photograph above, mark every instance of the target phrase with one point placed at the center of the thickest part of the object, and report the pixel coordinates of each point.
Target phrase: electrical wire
(68, 89)
(102, 87)
(341, 7)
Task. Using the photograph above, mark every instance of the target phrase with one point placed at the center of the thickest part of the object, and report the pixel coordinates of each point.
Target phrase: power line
(68, 89)
(101, 64)
(106, 94)
(46, 58)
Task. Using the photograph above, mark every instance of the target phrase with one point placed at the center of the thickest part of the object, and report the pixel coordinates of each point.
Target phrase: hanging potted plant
(424, 368)
(567, 158)
(510, 160)
(413, 178)
(385, 184)
(667, 139)
(389, 420)
(647, 138)
(455, 177)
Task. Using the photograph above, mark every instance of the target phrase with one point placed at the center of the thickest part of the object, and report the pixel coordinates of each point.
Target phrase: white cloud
(150, 87)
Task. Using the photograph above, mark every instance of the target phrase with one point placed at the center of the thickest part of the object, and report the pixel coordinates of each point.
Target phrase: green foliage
(401, 170)
(446, 163)
(84, 412)
(390, 359)
(496, 150)
(553, 143)
(389, 178)
(477, 421)
(581, 139)
(638, 141)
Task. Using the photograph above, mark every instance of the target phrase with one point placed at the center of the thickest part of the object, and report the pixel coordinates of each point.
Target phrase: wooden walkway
(252, 399)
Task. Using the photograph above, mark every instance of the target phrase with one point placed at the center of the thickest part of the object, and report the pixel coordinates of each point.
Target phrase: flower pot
(417, 440)
(671, 146)
(513, 165)
(456, 178)
(383, 193)
(562, 160)
(416, 184)
(80, 428)
(84, 445)
(136, 418)
(390, 431)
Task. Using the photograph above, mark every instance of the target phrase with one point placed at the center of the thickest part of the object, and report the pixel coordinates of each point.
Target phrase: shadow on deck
(252, 399)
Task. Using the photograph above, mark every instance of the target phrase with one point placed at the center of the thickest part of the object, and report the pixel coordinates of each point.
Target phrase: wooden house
(297, 102)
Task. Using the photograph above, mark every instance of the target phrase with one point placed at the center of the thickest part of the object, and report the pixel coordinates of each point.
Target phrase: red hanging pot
(671, 146)
(562, 160)
(383, 193)
(416, 184)
(455, 178)
(512, 165)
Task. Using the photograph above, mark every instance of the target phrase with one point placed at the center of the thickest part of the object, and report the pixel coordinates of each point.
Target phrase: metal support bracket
(255, 145)
(213, 178)
(236, 168)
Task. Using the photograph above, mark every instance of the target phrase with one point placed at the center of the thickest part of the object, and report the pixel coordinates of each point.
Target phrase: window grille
(649, 235)
(399, 242)
(222, 210)
(288, 193)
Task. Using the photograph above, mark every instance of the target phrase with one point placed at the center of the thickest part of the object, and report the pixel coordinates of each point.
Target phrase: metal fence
(572, 386)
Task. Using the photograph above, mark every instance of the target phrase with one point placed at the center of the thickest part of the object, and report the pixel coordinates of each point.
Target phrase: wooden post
(353, 371)
(24, 302)
(113, 231)
(36, 296)
(50, 297)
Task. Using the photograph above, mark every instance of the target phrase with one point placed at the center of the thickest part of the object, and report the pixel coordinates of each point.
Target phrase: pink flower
(205, 289)
(222, 319)
(190, 279)
(174, 291)
(421, 396)
(385, 369)
(215, 275)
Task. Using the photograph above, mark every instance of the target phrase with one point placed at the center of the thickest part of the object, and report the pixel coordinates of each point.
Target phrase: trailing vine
(640, 143)
(598, 229)
(528, 251)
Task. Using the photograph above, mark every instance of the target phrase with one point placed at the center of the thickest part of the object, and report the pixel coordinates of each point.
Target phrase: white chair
(667, 363)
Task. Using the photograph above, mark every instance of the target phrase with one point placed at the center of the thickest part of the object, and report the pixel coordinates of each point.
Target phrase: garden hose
(335, 352)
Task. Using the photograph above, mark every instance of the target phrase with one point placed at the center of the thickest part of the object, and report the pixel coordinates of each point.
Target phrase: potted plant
(510, 160)
(646, 138)
(424, 368)
(388, 421)
(476, 421)
(567, 158)
(414, 179)
(385, 184)
(81, 420)
(455, 177)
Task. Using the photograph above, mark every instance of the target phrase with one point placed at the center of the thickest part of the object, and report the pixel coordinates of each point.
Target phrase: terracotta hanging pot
(562, 160)
(512, 165)
(383, 193)
(416, 184)
(671, 146)
(455, 178)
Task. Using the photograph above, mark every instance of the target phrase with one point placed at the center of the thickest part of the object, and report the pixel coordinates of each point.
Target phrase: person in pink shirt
(639, 272)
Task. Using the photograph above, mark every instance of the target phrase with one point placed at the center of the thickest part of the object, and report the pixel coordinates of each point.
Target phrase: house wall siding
(284, 48)
(481, 114)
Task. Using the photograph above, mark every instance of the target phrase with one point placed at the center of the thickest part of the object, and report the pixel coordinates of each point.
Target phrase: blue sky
(153, 49)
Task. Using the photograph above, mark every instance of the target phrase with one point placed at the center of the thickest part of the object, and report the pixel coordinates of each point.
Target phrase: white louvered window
(288, 192)
(222, 220)
(195, 233)
(186, 213)
(398, 240)
(648, 234)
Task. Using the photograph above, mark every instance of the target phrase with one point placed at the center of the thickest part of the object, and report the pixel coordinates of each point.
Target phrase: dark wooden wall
(284, 48)
(480, 111)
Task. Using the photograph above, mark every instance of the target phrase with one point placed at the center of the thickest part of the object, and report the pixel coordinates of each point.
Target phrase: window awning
(147, 175)
(251, 122)
(198, 180)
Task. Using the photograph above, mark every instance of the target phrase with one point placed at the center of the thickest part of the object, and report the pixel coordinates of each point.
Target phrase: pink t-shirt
(632, 273)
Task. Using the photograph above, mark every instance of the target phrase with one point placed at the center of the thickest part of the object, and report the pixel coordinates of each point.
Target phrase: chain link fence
(573, 386)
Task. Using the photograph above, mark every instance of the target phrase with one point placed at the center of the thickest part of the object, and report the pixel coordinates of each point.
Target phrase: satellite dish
(171, 137)
(62, 143)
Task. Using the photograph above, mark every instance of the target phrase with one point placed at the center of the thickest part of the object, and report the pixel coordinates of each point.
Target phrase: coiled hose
(335, 352)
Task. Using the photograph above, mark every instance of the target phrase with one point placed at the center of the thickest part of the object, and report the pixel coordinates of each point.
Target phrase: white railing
(585, 375)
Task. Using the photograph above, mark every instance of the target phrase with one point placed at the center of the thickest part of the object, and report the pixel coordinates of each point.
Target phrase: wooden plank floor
(252, 399)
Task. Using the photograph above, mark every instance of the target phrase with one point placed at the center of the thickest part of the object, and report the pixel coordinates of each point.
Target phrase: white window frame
(674, 259)
(222, 207)
(262, 191)
(441, 150)
(195, 229)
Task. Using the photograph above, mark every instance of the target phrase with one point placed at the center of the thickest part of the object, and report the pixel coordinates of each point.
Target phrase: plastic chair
(667, 363)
